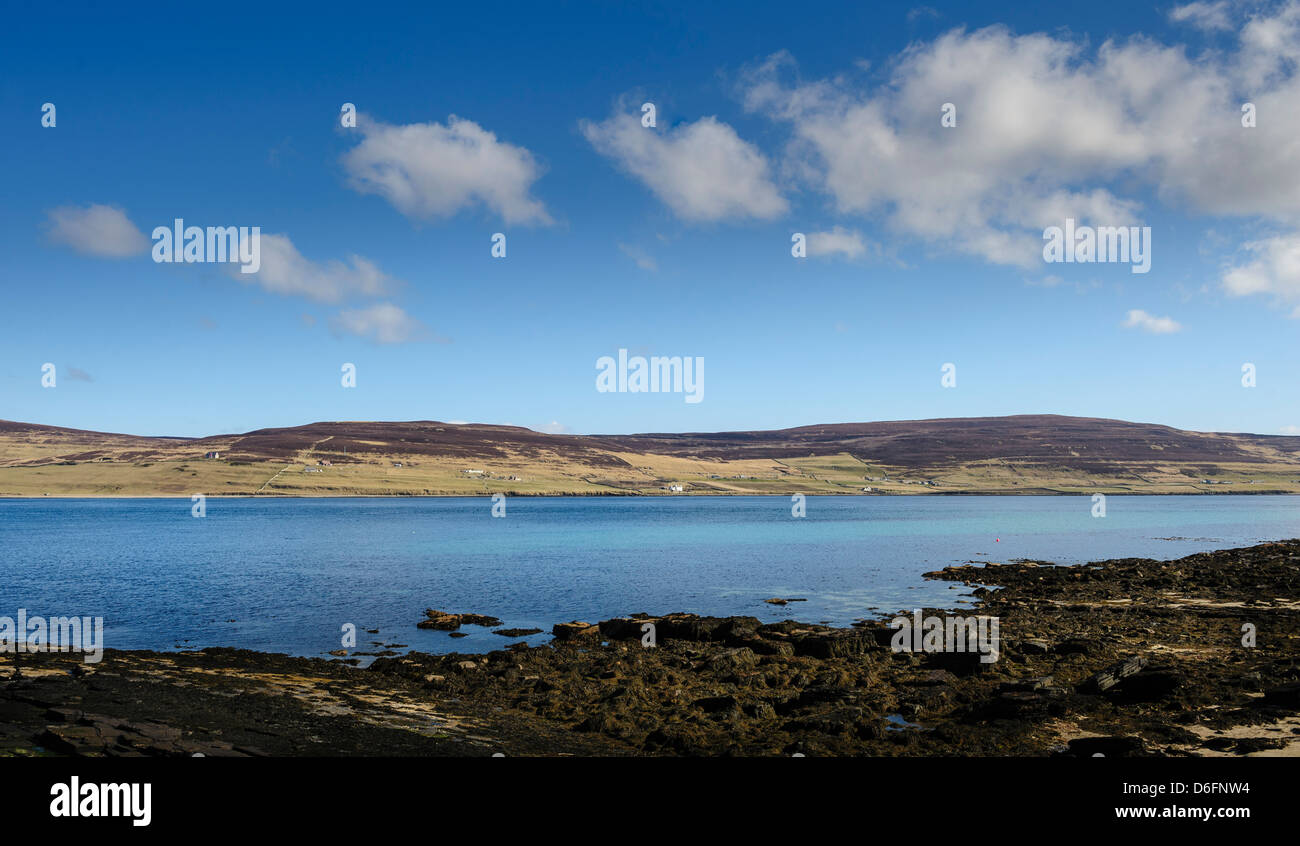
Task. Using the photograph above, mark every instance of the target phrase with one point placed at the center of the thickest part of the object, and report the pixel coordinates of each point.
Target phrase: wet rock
(1031, 684)
(688, 627)
(717, 704)
(446, 621)
(1247, 745)
(731, 660)
(439, 620)
(958, 663)
(574, 630)
(601, 723)
(833, 644)
(479, 620)
(1111, 676)
(625, 628)
(853, 722)
(1150, 685)
(764, 646)
(1075, 646)
(517, 632)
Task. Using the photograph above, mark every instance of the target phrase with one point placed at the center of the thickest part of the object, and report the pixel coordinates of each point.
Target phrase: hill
(1017, 454)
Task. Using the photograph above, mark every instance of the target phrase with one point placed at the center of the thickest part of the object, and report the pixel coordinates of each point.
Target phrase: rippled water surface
(285, 574)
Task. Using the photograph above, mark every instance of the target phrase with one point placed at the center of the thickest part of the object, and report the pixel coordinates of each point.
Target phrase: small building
(212, 454)
(397, 464)
(325, 462)
(676, 488)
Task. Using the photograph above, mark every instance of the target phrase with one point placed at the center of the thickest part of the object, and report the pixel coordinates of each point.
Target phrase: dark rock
(833, 644)
(717, 704)
(730, 660)
(1286, 696)
(1109, 747)
(623, 628)
(446, 621)
(574, 630)
(1151, 685)
(1112, 675)
(1075, 646)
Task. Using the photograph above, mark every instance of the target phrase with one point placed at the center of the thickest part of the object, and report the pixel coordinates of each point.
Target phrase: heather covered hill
(1016, 454)
(1069, 441)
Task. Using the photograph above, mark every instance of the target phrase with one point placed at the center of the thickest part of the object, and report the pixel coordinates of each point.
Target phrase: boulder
(731, 660)
(832, 644)
(446, 621)
(574, 630)
(625, 628)
(1112, 675)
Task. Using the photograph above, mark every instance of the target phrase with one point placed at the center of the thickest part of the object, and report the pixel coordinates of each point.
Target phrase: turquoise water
(285, 574)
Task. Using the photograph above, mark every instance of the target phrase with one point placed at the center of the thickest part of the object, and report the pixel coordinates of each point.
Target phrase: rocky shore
(1199, 656)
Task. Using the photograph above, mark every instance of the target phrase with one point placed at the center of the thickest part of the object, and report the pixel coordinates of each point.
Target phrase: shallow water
(285, 574)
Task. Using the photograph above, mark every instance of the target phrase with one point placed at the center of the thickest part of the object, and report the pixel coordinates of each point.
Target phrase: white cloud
(643, 260)
(703, 171)
(555, 428)
(432, 170)
(1290, 430)
(96, 230)
(284, 270)
(1048, 127)
(1274, 270)
(1203, 15)
(837, 241)
(383, 323)
(1139, 319)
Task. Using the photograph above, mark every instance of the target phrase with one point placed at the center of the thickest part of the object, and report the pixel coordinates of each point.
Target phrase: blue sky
(671, 240)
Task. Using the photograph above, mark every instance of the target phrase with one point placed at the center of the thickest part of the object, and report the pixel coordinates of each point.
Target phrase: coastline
(1122, 657)
(622, 494)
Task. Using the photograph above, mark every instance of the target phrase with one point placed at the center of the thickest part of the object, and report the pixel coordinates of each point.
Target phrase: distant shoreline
(1020, 455)
(613, 495)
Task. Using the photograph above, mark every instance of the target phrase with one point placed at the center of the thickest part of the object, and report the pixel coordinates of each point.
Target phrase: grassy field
(644, 474)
